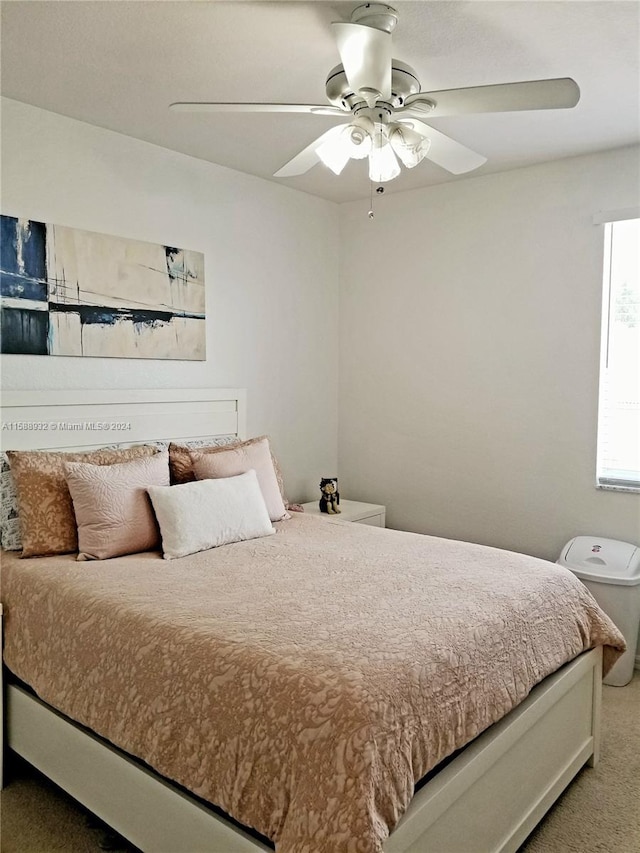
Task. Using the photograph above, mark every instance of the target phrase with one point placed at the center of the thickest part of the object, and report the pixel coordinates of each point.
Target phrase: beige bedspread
(303, 682)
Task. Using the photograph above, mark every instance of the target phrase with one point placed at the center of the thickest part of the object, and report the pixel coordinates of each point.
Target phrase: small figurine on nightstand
(330, 495)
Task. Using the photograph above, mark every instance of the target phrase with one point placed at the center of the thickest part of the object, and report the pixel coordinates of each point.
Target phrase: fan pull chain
(379, 190)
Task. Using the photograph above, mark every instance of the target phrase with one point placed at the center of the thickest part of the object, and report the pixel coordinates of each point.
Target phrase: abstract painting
(65, 291)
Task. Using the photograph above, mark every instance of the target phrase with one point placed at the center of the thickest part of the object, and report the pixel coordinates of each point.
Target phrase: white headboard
(65, 420)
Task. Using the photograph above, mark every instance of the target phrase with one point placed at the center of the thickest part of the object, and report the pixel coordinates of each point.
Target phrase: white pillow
(201, 515)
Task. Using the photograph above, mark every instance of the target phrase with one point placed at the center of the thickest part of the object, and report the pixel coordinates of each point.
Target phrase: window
(618, 465)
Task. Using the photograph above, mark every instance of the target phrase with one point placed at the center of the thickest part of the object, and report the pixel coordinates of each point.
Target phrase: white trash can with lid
(610, 570)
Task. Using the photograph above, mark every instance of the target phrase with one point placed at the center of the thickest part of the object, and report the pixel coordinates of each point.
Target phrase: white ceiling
(119, 64)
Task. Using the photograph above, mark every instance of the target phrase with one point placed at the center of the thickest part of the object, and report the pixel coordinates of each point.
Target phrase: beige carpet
(599, 813)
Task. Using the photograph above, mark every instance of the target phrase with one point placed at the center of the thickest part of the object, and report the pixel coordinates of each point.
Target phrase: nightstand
(361, 513)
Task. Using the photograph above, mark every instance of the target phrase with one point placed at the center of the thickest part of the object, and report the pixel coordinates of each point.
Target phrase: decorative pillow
(198, 516)
(9, 522)
(181, 466)
(112, 507)
(47, 520)
(239, 459)
(180, 461)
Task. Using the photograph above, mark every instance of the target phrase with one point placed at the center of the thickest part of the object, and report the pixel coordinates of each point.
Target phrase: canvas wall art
(65, 291)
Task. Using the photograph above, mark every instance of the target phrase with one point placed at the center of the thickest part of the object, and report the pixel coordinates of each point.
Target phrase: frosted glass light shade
(352, 142)
(358, 142)
(383, 165)
(411, 147)
(334, 153)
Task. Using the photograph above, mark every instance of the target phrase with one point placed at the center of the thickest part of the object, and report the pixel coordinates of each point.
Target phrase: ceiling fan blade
(308, 157)
(366, 58)
(558, 94)
(446, 152)
(207, 107)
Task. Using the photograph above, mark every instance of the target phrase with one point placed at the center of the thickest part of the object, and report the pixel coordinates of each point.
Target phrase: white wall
(470, 329)
(270, 272)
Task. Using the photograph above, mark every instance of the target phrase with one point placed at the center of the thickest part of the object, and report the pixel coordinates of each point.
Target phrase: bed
(318, 686)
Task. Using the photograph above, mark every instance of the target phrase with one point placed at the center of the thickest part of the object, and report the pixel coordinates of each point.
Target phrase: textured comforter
(303, 682)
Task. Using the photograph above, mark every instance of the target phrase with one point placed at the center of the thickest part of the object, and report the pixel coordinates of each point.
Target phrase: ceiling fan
(386, 107)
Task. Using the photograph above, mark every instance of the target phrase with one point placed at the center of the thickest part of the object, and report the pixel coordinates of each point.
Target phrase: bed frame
(486, 800)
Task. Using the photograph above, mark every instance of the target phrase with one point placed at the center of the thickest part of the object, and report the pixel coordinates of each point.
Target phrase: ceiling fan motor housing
(404, 82)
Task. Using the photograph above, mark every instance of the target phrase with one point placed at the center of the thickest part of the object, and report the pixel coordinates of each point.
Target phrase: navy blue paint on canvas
(23, 278)
(16, 286)
(23, 259)
(177, 269)
(96, 315)
(24, 332)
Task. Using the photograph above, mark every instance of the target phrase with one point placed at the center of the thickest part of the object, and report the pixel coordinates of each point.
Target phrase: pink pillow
(113, 510)
(238, 460)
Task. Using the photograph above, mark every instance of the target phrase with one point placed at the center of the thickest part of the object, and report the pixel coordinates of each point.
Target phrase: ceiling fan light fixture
(359, 139)
(353, 142)
(359, 145)
(410, 146)
(383, 165)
